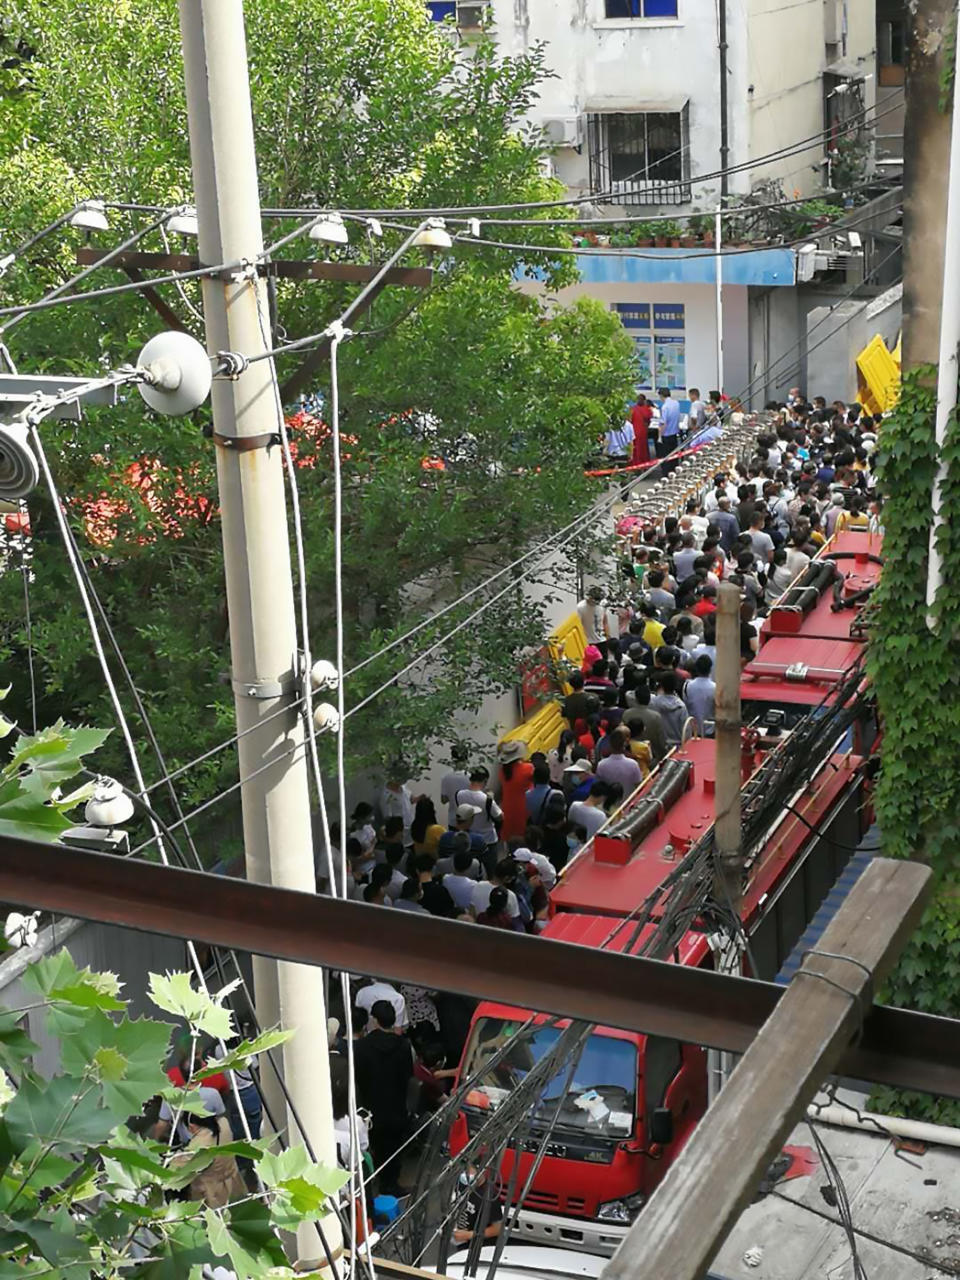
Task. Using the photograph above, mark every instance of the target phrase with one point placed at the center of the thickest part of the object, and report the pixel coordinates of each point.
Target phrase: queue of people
(487, 848)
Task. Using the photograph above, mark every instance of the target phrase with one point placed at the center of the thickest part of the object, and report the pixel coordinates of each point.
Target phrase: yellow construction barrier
(542, 728)
(878, 376)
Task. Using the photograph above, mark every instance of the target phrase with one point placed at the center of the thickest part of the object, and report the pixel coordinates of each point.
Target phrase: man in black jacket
(384, 1065)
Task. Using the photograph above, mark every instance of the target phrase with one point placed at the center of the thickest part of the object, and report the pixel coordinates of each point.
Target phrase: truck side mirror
(661, 1126)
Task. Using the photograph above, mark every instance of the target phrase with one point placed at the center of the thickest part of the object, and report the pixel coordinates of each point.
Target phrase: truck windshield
(602, 1096)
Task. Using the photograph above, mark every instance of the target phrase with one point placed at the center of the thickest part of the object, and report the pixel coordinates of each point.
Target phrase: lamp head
(183, 221)
(434, 235)
(91, 216)
(330, 228)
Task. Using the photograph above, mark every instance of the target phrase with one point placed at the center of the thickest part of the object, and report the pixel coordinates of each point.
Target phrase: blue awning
(768, 267)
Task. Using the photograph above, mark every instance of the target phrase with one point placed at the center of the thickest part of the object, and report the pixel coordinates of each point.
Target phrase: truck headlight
(624, 1210)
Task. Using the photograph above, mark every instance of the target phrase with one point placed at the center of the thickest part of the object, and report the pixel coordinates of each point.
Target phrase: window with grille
(640, 156)
(641, 8)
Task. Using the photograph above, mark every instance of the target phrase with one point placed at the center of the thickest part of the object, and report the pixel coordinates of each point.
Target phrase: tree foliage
(918, 686)
(82, 1191)
(358, 104)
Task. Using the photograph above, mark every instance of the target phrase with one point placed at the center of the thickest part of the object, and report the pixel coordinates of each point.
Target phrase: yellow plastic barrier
(541, 730)
(878, 375)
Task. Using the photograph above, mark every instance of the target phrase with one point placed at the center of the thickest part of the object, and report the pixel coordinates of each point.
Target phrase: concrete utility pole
(263, 637)
(926, 168)
(727, 722)
(712, 1180)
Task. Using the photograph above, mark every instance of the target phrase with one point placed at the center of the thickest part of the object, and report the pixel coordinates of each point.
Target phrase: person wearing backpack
(489, 816)
(544, 801)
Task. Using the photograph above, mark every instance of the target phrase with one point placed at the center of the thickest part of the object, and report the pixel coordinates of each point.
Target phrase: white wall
(787, 54)
(618, 65)
(699, 302)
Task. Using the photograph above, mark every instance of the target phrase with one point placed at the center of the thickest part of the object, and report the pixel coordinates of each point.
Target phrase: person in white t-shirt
(456, 780)
(376, 990)
(480, 897)
(590, 613)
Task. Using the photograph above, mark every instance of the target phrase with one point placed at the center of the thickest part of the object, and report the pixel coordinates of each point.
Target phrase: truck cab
(633, 1103)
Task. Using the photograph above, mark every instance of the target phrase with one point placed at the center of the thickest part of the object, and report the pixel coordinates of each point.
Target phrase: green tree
(84, 1189)
(358, 104)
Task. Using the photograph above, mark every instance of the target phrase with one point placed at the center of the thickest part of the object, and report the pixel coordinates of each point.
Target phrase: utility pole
(728, 866)
(259, 581)
(727, 833)
(718, 279)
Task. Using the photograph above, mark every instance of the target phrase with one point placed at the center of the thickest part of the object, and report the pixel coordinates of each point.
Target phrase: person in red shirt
(181, 1072)
(516, 779)
(640, 416)
(707, 603)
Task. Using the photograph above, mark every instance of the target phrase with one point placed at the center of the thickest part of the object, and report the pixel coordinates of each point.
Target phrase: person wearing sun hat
(516, 778)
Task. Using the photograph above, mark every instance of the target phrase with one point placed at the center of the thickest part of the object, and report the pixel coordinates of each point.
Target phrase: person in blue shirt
(669, 423)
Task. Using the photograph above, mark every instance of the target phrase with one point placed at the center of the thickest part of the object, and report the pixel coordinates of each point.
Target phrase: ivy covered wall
(916, 671)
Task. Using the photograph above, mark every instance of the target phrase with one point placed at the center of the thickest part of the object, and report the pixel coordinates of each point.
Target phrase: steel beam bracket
(246, 444)
(261, 690)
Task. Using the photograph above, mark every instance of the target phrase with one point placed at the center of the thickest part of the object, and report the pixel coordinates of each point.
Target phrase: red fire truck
(634, 1099)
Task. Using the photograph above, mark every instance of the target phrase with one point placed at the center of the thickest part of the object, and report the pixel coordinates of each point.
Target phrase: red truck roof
(853, 551)
(600, 882)
(595, 931)
(798, 669)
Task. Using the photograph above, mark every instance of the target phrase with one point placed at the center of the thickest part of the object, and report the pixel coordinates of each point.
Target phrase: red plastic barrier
(645, 466)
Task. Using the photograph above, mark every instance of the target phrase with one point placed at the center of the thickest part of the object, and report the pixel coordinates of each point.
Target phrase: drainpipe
(724, 122)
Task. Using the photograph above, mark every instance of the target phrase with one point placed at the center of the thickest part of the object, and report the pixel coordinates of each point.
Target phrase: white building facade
(652, 97)
(664, 107)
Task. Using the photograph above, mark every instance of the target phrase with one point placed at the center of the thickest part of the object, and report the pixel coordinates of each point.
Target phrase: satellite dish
(180, 371)
(19, 471)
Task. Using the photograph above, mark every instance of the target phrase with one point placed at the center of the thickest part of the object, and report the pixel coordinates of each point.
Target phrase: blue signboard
(633, 315)
(668, 315)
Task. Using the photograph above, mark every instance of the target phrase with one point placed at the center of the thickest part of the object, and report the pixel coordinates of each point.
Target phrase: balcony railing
(650, 192)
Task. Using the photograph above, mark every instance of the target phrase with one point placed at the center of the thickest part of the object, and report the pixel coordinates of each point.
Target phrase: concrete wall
(811, 338)
(789, 46)
(832, 350)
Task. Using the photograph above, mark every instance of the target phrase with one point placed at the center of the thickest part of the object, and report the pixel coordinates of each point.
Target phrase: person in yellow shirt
(653, 630)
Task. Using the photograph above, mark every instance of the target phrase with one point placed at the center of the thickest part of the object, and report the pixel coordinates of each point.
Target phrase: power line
(726, 211)
(135, 286)
(58, 290)
(608, 196)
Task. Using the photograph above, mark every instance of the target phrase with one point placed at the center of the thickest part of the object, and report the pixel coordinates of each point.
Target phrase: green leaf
(125, 1056)
(73, 993)
(62, 1110)
(300, 1187)
(175, 993)
(16, 1047)
(237, 1059)
(250, 1240)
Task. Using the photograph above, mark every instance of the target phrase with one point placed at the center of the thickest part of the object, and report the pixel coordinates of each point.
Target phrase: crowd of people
(488, 847)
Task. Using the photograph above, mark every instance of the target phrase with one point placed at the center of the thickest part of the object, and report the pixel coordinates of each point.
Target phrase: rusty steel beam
(910, 1050)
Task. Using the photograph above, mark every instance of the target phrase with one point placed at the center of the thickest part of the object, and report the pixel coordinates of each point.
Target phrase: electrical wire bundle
(808, 747)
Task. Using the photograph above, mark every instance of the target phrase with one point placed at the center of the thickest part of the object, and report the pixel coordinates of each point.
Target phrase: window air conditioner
(563, 131)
